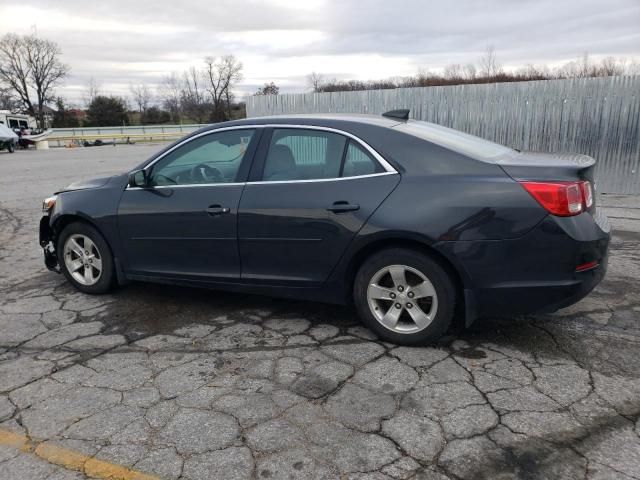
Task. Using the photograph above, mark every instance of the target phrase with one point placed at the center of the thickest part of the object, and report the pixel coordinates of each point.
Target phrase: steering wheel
(203, 173)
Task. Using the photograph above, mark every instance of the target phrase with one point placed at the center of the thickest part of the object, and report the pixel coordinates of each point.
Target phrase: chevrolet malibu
(413, 223)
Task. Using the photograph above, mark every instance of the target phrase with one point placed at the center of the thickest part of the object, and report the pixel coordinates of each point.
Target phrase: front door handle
(342, 206)
(214, 210)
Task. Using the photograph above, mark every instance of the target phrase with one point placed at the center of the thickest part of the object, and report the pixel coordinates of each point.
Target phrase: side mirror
(138, 178)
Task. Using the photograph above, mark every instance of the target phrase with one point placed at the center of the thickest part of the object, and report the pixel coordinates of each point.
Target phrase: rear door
(312, 191)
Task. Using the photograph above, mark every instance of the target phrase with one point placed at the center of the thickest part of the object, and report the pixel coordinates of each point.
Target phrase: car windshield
(464, 143)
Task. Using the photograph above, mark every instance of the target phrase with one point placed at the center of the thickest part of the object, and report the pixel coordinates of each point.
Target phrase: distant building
(77, 113)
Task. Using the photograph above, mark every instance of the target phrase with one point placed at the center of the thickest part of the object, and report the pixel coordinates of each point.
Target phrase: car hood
(86, 184)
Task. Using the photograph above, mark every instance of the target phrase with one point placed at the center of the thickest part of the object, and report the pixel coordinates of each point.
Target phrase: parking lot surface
(164, 382)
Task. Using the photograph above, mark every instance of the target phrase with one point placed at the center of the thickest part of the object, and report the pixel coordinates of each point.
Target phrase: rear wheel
(404, 296)
(85, 258)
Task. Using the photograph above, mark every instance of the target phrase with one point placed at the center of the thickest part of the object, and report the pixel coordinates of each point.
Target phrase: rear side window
(298, 154)
(359, 162)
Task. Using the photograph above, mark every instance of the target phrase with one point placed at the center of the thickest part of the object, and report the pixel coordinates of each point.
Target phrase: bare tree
(470, 71)
(31, 67)
(222, 73)
(141, 96)
(192, 96)
(453, 71)
(610, 66)
(169, 92)
(533, 72)
(315, 81)
(92, 90)
(489, 66)
(8, 100)
(633, 68)
(584, 67)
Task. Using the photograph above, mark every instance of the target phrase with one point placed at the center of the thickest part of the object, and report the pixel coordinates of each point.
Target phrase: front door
(315, 191)
(184, 224)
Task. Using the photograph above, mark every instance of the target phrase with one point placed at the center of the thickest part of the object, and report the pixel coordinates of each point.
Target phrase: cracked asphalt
(194, 384)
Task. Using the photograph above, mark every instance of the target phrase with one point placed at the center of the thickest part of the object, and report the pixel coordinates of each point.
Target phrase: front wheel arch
(108, 270)
(62, 221)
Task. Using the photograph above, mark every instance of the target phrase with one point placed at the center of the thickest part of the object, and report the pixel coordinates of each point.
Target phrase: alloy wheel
(402, 299)
(82, 259)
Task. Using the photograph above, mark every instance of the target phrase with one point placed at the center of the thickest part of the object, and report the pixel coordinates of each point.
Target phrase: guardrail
(77, 136)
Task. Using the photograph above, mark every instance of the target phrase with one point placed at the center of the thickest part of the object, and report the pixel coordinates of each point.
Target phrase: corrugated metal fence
(595, 116)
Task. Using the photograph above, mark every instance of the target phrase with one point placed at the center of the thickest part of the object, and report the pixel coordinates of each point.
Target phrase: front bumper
(47, 242)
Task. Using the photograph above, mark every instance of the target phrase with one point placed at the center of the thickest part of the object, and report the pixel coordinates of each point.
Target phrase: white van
(16, 120)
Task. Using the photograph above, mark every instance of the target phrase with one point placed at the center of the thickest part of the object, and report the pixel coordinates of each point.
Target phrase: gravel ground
(195, 384)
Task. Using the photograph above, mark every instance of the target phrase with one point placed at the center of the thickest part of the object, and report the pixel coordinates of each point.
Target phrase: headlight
(48, 203)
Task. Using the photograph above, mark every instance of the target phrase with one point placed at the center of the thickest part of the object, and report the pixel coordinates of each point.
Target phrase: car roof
(318, 119)
(455, 140)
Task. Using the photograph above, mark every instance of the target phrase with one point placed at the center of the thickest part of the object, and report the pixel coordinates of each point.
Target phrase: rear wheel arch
(377, 246)
(397, 242)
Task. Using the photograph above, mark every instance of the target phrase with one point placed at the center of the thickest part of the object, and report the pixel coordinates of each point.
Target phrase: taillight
(587, 193)
(563, 199)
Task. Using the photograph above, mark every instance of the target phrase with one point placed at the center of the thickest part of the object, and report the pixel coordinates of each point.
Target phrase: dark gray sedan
(416, 224)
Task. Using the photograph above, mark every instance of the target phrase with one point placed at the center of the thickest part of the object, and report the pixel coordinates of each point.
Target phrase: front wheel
(404, 296)
(85, 258)
(10, 148)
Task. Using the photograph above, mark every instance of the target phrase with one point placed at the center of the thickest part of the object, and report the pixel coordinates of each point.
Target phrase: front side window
(298, 154)
(212, 158)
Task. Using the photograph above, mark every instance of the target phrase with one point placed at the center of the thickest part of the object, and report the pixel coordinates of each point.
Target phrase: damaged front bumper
(47, 243)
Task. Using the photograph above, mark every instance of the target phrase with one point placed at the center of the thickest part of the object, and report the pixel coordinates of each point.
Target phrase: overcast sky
(119, 42)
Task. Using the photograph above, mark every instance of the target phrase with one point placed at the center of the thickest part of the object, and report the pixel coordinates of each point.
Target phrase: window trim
(345, 155)
(388, 168)
(257, 128)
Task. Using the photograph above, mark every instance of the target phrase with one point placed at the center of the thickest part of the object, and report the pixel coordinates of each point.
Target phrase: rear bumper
(548, 297)
(535, 273)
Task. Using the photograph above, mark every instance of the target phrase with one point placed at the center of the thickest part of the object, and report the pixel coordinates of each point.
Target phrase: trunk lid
(549, 167)
(532, 166)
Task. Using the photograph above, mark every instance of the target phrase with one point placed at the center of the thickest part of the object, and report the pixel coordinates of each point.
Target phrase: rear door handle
(214, 210)
(342, 206)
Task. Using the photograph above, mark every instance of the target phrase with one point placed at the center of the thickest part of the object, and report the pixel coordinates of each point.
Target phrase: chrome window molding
(221, 184)
(266, 182)
(208, 132)
(389, 169)
(315, 180)
(379, 158)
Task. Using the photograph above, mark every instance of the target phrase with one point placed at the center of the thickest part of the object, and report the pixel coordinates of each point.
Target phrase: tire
(99, 253)
(432, 302)
(10, 148)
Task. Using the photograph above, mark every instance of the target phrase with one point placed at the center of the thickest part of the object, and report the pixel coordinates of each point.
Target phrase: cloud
(120, 42)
